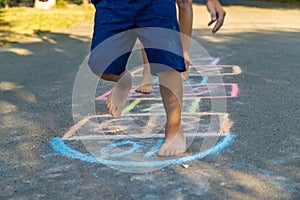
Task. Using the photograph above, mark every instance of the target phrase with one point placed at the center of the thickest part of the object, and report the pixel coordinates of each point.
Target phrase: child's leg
(171, 92)
(186, 23)
(146, 86)
(116, 100)
(164, 52)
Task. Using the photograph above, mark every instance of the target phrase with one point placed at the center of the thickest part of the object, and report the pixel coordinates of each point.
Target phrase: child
(114, 19)
(186, 23)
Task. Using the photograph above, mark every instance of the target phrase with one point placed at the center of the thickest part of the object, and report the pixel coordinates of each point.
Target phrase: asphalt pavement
(261, 160)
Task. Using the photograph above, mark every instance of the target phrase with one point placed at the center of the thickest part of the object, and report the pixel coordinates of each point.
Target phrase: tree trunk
(85, 2)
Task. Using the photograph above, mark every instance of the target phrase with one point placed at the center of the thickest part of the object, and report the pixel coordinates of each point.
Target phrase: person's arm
(217, 14)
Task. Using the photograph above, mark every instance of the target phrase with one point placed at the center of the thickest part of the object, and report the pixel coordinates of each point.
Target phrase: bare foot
(174, 145)
(145, 89)
(116, 100)
(185, 74)
(146, 86)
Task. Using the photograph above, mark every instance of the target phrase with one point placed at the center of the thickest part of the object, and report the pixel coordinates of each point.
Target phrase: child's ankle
(173, 126)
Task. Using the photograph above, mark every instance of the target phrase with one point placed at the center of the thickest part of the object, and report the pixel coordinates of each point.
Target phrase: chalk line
(139, 136)
(71, 132)
(59, 146)
(154, 149)
(233, 92)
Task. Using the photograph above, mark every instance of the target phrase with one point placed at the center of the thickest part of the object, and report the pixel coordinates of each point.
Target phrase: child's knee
(109, 77)
(184, 4)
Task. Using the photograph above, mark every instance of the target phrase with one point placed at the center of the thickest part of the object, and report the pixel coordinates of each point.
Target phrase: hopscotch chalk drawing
(125, 142)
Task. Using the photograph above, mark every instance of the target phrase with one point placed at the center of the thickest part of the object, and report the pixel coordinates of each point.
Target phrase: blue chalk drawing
(59, 146)
(154, 149)
(238, 103)
(107, 150)
(204, 80)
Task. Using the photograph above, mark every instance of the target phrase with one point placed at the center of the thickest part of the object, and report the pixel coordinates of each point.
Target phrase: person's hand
(217, 14)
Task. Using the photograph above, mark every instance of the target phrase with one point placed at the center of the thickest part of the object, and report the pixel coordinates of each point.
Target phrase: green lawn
(21, 22)
(284, 1)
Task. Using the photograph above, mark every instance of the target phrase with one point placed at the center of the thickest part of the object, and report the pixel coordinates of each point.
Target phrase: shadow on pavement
(266, 125)
(36, 81)
(36, 90)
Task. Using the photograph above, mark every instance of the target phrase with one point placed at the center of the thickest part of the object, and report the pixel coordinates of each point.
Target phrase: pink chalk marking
(233, 93)
(103, 96)
(234, 90)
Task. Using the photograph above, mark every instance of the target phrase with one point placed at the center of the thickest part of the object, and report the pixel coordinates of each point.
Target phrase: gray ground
(263, 162)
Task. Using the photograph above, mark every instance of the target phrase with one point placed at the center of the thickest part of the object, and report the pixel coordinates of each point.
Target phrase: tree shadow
(3, 23)
(36, 82)
(266, 124)
(5, 34)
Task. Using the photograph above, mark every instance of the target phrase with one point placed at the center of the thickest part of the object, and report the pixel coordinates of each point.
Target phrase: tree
(85, 2)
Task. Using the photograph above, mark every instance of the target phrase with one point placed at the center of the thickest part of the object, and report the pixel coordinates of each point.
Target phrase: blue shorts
(118, 24)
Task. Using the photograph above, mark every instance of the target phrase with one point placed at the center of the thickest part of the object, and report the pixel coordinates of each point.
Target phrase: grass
(24, 22)
(284, 1)
(287, 2)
